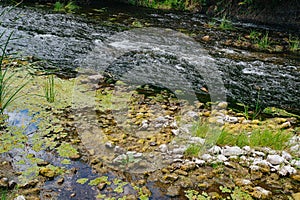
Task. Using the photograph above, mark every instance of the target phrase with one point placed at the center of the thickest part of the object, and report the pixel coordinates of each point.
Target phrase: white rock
(179, 150)
(262, 192)
(247, 148)
(232, 151)
(21, 197)
(275, 159)
(254, 167)
(174, 124)
(221, 158)
(161, 119)
(199, 162)
(163, 148)
(244, 158)
(192, 114)
(275, 168)
(231, 119)
(295, 148)
(145, 124)
(206, 157)
(138, 155)
(287, 170)
(259, 153)
(260, 162)
(215, 150)
(246, 182)
(109, 145)
(175, 131)
(286, 155)
(197, 140)
(296, 163)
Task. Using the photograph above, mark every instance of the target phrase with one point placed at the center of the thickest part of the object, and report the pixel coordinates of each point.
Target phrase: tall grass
(9, 91)
(50, 89)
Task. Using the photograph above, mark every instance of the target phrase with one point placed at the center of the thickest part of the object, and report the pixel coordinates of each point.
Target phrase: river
(109, 39)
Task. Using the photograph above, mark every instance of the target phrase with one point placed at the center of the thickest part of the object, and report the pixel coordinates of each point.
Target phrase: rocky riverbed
(104, 140)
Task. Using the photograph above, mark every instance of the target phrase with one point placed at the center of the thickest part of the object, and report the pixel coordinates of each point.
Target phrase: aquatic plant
(50, 89)
(264, 41)
(8, 89)
(193, 194)
(69, 8)
(254, 35)
(294, 43)
(226, 24)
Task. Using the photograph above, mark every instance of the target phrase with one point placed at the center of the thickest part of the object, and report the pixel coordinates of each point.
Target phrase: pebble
(222, 105)
(163, 148)
(275, 159)
(109, 145)
(206, 157)
(286, 155)
(21, 197)
(193, 115)
(247, 148)
(287, 169)
(296, 163)
(232, 151)
(231, 119)
(221, 158)
(199, 162)
(215, 150)
(179, 150)
(175, 131)
(197, 140)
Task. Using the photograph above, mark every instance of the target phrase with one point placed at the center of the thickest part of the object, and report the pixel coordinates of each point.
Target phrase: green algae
(82, 180)
(66, 150)
(97, 181)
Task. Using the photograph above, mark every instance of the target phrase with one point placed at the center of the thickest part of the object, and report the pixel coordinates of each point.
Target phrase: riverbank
(281, 14)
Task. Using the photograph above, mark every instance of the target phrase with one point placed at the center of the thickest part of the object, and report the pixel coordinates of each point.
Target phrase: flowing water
(105, 40)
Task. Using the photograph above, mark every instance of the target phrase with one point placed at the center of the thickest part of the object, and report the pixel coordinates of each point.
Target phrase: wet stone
(170, 177)
(173, 191)
(60, 181)
(101, 186)
(47, 172)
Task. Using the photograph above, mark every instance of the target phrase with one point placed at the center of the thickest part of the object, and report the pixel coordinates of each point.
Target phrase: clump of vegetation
(294, 44)
(9, 91)
(193, 150)
(50, 89)
(69, 8)
(264, 41)
(226, 24)
(277, 140)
